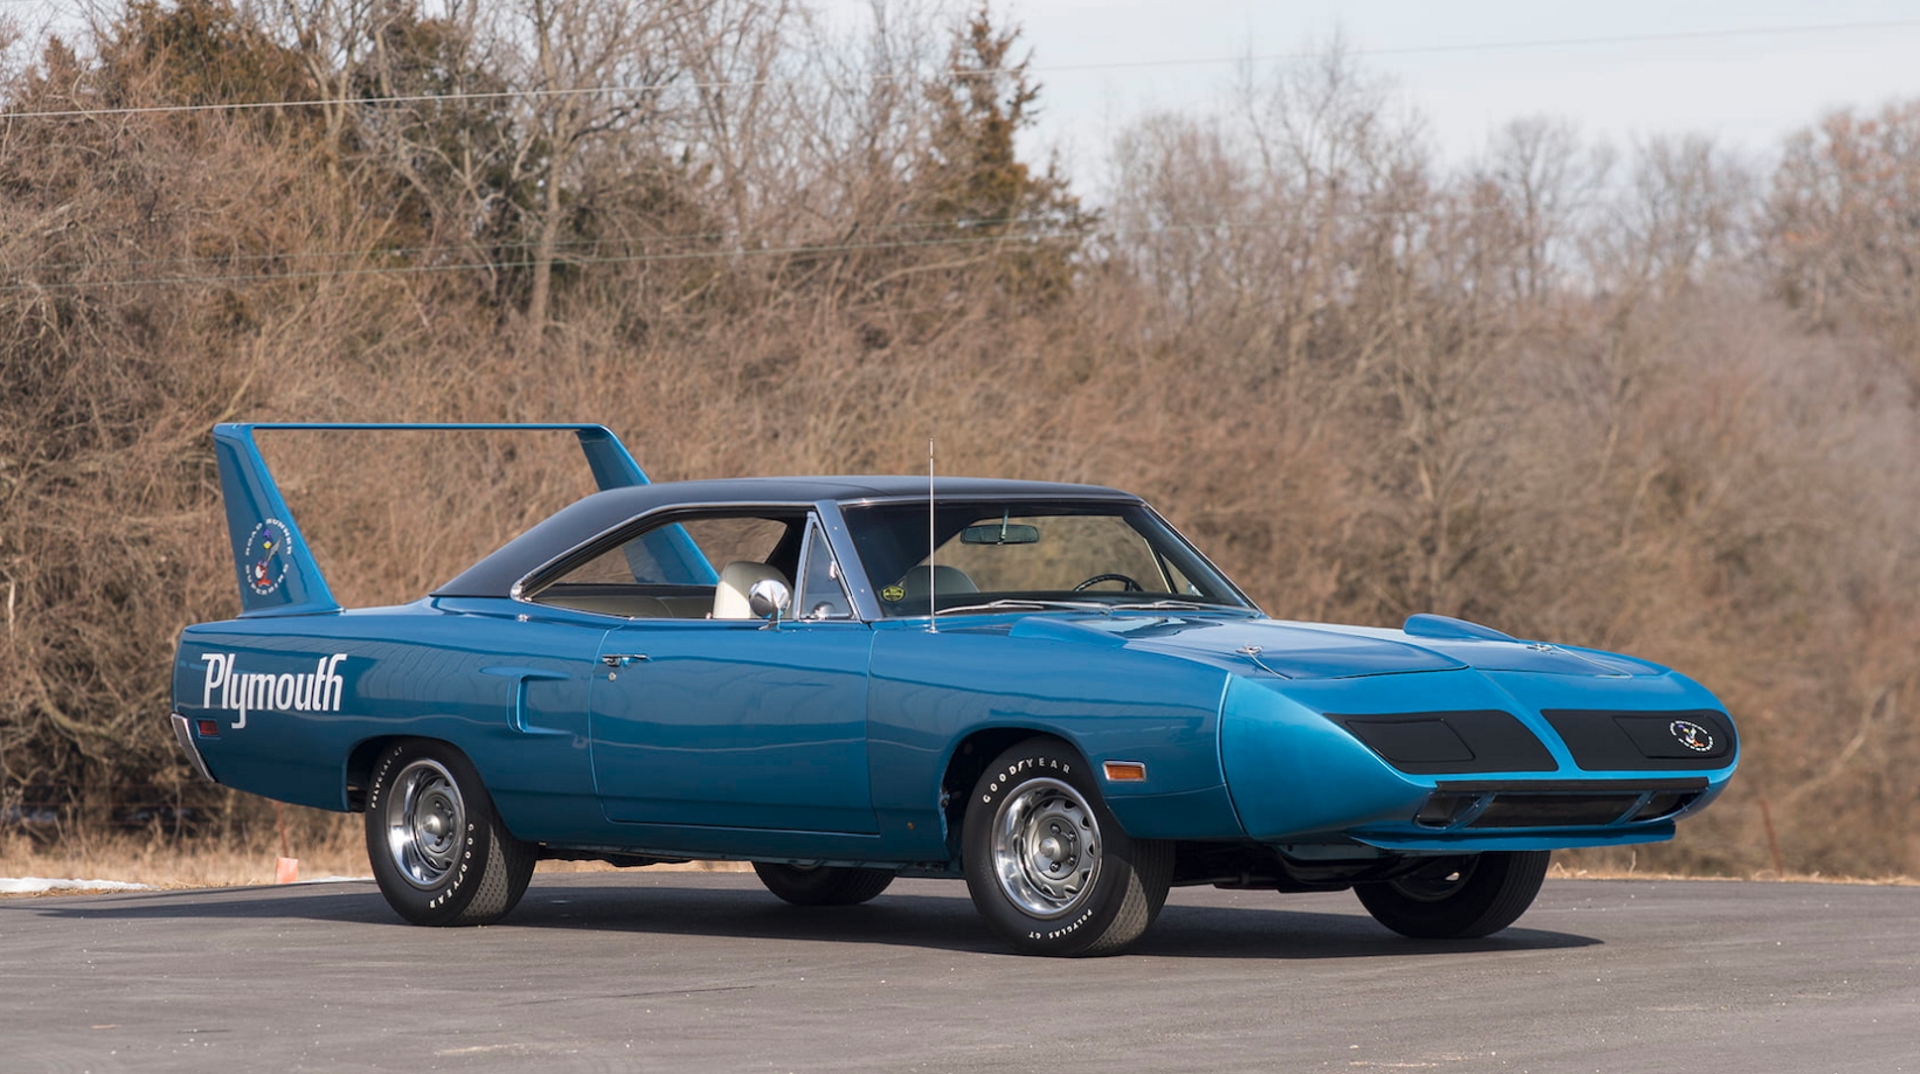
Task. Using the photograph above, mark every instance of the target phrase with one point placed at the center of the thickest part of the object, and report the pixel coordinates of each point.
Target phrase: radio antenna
(933, 608)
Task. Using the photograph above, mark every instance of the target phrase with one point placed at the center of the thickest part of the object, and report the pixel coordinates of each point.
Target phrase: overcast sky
(1747, 90)
(1468, 66)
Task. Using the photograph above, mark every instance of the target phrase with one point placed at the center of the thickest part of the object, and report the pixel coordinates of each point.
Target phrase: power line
(796, 249)
(1118, 65)
(397, 270)
(1592, 200)
(470, 247)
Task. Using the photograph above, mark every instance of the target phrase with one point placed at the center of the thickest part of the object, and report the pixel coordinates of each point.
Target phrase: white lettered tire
(441, 854)
(1048, 866)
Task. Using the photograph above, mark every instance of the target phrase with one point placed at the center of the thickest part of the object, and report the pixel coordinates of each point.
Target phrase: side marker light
(1126, 771)
(209, 729)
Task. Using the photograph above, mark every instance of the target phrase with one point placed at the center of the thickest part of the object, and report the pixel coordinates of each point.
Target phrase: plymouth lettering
(250, 691)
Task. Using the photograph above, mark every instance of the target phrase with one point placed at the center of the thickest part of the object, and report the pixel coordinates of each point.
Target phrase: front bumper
(1300, 777)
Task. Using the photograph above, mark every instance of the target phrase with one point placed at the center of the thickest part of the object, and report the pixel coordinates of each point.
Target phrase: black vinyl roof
(590, 516)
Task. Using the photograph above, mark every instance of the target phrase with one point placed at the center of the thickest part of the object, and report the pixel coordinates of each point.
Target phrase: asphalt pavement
(687, 972)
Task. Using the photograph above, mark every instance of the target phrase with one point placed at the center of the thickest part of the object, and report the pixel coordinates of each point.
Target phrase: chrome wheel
(1046, 848)
(1048, 866)
(426, 824)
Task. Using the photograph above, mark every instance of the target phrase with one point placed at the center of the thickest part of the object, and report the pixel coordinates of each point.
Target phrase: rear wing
(276, 570)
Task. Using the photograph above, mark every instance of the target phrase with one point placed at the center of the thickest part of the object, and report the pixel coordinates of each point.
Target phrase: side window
(755, 540)
(612, 567)
(632, 578)
(823, 592)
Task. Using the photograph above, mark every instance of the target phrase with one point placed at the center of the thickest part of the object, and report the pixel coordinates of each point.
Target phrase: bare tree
(331, 36)
(587, 70)
(1842, 233)
(1541, 182)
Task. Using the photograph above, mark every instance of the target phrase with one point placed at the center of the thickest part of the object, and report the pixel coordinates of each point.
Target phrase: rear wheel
(441, 854)
(822, 885)
(1458, 898)
(1048, 866)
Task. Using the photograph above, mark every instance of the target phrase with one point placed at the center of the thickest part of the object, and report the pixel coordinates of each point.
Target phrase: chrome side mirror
(767, 598)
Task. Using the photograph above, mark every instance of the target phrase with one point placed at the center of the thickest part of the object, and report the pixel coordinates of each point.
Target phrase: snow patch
(33, 885)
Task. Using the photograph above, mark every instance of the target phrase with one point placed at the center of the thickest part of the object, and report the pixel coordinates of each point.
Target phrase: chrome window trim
(817, 532)
(1211, 565)
(853, 573)
(870, 610)
(636, 525)
(826, 516)
(985, 497)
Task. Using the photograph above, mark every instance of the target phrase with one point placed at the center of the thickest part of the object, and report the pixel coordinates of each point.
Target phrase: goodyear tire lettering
(1122, 896)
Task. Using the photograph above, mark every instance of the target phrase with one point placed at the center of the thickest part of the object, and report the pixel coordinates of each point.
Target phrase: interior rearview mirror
(999, 533)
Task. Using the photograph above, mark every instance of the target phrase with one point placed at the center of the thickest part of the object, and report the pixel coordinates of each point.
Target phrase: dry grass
(135, 858)
(139, 859)
(1561, 871)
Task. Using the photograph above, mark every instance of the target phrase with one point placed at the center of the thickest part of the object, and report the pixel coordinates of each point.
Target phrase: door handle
(620, 660)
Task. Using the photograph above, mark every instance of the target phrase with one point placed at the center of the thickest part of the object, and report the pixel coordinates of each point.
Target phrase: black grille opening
(1412, 741)
(1514, 810)
(1604, 740)
(1434, 743)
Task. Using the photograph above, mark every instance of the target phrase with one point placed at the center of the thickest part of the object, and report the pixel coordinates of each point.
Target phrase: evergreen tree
(972, 183)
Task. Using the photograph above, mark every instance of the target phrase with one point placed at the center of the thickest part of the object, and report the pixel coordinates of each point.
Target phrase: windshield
(1096, 555)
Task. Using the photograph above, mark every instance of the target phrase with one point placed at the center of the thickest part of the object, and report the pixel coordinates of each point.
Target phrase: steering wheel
(1131, 585)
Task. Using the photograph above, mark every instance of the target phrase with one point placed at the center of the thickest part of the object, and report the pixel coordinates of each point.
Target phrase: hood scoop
(1447, 628)
(1488, 649)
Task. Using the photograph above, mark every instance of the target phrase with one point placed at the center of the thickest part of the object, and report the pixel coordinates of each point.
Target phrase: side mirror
(768, 597)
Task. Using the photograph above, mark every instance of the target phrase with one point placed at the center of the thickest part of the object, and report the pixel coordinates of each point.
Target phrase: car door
(739, 723)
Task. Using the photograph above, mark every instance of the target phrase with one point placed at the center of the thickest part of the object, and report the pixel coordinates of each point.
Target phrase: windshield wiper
(1030, 606)
(1177, 606)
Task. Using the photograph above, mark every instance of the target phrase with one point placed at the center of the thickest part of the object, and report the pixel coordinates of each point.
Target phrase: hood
(1318, 651)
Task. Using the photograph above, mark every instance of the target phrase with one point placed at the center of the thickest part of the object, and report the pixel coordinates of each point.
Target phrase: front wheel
(1048, 866)
(1458, 898)
(441, 854)
(822, 885)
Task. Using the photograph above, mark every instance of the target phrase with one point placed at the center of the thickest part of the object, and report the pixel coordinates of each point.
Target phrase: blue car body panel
(836, 741)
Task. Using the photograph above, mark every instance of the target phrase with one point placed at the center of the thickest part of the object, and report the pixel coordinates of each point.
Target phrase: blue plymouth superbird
(1041, 688)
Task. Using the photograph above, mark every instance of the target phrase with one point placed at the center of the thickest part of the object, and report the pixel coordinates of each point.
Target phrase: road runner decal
(249, 691)
(265, 560)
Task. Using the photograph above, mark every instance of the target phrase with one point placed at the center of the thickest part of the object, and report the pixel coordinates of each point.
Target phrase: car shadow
(951, 923)
(1189, 931)
(345, 903)
(740, 908)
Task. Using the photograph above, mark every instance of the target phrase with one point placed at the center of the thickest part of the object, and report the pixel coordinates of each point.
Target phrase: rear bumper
(183, 730)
